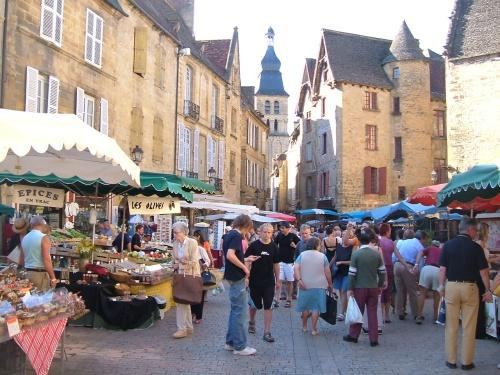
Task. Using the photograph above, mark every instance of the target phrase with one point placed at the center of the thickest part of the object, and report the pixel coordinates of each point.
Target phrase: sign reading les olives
(153, 206)
(38, 196)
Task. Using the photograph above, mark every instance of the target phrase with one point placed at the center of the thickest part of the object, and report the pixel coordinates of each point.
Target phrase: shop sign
(38, 196)
(153, 206)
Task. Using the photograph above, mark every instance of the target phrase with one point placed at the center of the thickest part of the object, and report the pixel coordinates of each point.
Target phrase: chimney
(185, 9)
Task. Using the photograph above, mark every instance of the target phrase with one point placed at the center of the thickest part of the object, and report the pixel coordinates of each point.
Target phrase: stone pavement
(405, 348)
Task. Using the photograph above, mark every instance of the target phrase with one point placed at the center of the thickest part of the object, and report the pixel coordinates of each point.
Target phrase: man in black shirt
(137, 238)
(236, 273)
(287, 243)
(461, 261)
(264, 277)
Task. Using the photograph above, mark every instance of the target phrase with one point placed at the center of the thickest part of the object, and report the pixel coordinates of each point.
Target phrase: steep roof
(116, 4)
(357, 58)
(310, 66)
(217, 51)
(404, 46)
(474, 29)
(271, 81)
(248, 95)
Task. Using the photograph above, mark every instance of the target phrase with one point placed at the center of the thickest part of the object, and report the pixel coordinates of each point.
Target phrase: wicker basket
(120, 277)
(122, 289)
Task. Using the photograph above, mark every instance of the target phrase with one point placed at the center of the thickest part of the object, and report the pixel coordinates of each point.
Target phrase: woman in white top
(313, 274)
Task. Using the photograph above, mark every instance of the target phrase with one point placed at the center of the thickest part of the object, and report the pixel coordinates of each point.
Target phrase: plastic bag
(441, 320)
(353, 314)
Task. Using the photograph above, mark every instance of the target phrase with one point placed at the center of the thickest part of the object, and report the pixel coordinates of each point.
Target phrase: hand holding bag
(330, 316)
(353, 314)
(187, 288)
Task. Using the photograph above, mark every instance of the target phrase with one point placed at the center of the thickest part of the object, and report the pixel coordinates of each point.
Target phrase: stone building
(473, 84)
(371, 121)
(254, 167)
(272, 102)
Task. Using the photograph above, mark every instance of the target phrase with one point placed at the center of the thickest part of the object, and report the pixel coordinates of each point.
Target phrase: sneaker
(268, 337)
(419, 319)
(350, 339)
(228, 347)
(276, 304)
(247, 351)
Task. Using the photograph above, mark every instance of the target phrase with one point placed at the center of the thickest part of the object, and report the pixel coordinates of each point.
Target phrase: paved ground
(405, 348)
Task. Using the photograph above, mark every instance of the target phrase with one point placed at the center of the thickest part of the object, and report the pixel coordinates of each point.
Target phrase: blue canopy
(356, 215)
(316, 211)
(403, 207)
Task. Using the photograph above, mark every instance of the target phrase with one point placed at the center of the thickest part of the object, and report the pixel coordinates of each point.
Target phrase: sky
(298, 24)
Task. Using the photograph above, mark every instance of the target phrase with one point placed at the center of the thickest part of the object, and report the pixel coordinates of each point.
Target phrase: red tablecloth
(40, 343)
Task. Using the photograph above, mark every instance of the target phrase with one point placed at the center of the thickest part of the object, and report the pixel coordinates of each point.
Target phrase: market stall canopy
(400, 209)
(227, 207)
(356, 215)
(63, 145)
(254, 217)
(6, 210)
(476, 189)
(194, 185)
(426, 195)
(316, 211)
(281, 217)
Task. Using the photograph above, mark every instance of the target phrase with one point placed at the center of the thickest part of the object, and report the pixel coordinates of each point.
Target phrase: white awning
(226, 207)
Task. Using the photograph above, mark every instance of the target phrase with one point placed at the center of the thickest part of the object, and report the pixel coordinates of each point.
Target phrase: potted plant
(85, 250)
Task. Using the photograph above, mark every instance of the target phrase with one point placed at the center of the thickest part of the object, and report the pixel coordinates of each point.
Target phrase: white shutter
(221, 159)
(80, 103)
(180, 147)
(187, 149)
(209, 152)
(47, 19)
(98, 38)
(31, 89)
(58, 21)
(248, 172)
(104, 116)
(53, 98)
(89, 36)
(196, 151)
(248, 131)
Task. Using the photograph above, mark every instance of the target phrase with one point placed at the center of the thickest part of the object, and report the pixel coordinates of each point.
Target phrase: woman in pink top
(429, 279)
(387, 246)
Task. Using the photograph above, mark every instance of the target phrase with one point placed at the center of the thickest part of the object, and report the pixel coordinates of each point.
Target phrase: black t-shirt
(343, 254)
(136, 240)
(117, 242)
(286, 252)
(232, 240)
(463, 259)
(262, 271)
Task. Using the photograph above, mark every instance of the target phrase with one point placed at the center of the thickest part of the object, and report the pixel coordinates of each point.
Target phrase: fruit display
(64, 235)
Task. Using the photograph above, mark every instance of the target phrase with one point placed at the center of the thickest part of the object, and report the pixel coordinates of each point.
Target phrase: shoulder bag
(187, 288)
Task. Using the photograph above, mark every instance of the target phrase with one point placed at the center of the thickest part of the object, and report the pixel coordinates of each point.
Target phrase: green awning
(6, 210)
(481, 181)
(193, 184)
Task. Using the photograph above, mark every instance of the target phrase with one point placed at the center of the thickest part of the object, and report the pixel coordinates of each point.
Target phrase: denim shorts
(341, 283)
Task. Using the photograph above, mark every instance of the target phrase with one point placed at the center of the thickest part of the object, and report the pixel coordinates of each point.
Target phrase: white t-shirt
(312, 269)
(204, 255)
(409, 249)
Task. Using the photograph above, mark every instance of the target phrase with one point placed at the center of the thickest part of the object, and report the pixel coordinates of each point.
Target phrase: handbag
(330, 316)
(208, 278)
(187, 289)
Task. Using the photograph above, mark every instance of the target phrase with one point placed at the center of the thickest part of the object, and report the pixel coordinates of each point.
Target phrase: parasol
(426, 195)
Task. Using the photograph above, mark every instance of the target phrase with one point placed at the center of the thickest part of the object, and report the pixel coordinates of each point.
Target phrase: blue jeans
(236, 335)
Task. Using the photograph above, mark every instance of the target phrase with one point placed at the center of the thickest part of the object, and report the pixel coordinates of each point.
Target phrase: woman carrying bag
(186, 258)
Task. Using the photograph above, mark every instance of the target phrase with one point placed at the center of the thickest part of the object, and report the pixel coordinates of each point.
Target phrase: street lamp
(434, 176)
(137, 153)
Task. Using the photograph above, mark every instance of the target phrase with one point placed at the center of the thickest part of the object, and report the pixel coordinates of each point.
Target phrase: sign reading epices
(38, 196)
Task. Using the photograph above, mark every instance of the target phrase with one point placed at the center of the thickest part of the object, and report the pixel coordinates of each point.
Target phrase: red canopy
(479, 204)
(426, 195)
(282, 217)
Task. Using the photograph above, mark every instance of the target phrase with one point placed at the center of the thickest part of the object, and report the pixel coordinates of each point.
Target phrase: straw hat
(20, 225)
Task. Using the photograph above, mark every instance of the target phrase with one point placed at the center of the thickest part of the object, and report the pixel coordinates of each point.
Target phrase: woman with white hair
(186, 259)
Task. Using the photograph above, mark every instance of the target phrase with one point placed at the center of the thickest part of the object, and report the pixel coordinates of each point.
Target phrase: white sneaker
(228, 347)
(247, 351)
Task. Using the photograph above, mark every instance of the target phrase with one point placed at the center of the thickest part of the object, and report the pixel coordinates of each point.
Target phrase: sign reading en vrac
(38, 196)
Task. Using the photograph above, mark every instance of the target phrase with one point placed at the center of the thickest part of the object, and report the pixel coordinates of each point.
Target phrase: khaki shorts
(40, 280)
(429, 278)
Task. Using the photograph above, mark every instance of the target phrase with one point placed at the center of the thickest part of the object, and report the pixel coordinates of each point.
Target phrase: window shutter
(187, 149)
(374, 100)
(53, 98)
(47, 19)
(104, 116)
(80, 103)
(367, 172)
(196, 151)
(382, 181)
(89, 36)
(248, 131)
(98, 38)
(209, 152)
(327, 183)
(221, 159)
(58, 22)
(180, 147)
(140, 50)
(31, 89)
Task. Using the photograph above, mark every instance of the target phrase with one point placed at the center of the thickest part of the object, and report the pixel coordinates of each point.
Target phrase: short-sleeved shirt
(262, 271)
(343, 255)
(432, 254)
(233, 240)
(136, 240)
(286, 251)
(387, 246)
(117, 242)
(463, 259)
(312, 269)
(409, 249)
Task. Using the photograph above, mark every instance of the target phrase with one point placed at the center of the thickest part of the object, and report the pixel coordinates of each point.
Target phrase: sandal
(251, 327)
(288, 304)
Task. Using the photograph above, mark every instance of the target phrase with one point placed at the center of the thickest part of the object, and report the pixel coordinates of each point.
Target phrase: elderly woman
(313, 274)
(186, 258)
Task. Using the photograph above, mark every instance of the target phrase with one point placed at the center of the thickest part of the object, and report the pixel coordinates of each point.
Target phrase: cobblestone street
(405, 348)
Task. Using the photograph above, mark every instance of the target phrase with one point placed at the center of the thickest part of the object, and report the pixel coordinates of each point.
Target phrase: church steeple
(404, 46)
(271, 81)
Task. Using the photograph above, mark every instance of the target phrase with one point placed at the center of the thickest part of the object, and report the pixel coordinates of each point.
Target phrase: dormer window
(395, 73)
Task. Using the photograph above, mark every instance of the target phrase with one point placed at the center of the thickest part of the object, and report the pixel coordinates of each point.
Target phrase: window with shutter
(80, 103)
(31, 104)
(371, 137)
(94, 39)
(180, 147)
(367, 179)
(222, 155)
(89, 110)
(209, 153)
(141, 50)
(51, 20)
(187, 149)
(53, 95)
(382, 181)
(104, 116)
(196, 150)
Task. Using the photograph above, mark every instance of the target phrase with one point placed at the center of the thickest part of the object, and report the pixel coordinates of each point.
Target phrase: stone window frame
(371, 143)
(370, 102)
(396, 73)
(439, 123)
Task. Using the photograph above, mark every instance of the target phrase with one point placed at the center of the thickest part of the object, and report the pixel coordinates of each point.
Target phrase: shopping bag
(330, 316)
(353, 314)
(441, 320)
(187, 289)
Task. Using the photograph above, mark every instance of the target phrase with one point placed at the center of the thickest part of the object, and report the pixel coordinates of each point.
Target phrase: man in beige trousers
(462, 261)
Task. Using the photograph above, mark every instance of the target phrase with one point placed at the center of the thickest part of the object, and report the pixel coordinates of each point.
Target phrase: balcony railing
(218, 183)
(218, 124)
(191, 110)
(189, 174)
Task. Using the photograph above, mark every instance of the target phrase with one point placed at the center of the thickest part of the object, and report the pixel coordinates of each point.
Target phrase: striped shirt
(367, 269)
